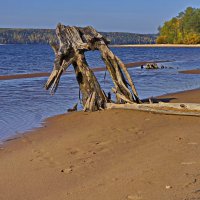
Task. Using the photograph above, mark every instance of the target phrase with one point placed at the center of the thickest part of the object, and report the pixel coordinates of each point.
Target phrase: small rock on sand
(168, 187)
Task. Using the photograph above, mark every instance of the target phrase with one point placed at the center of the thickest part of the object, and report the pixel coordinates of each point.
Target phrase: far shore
(111, 155)
(156, 45)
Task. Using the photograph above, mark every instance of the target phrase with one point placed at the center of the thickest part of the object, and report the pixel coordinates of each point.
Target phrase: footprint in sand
(194, 181)
(102, 146)
(91, 152)
(73, 151)
(135, 130)
(116, 130)
(26, 139)
(44, 156)
(119, 130)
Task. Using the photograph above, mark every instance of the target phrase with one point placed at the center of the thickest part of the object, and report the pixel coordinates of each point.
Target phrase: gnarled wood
(73, 42)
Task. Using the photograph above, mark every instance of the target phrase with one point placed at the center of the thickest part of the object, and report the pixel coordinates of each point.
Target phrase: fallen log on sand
(188, 109)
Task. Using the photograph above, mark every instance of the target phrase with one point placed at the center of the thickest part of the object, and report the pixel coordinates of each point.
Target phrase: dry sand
(107, 155)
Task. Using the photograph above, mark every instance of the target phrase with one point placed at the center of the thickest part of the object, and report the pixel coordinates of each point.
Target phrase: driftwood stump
(73, 42)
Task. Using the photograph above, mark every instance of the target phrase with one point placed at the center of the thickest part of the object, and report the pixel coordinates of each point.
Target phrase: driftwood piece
(88, 83)
(73, 42)
(115, 72)
(188, 109)
(120, 96)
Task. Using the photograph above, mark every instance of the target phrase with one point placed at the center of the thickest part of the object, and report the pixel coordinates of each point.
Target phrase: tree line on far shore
(44, 36)
(183, 29)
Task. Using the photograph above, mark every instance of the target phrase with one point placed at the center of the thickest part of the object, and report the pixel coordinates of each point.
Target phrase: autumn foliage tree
(183, 29)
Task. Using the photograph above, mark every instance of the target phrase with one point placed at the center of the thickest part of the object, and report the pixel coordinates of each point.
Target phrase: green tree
(185, 28)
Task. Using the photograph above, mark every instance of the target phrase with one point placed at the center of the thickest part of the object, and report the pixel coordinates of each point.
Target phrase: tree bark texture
(73, 42)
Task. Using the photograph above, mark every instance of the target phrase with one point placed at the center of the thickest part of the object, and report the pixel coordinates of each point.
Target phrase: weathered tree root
(73, 42)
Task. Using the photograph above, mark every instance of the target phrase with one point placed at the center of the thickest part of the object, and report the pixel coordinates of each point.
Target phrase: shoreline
(156, 45)
(112, 154)
(167, 97)
(43, 123)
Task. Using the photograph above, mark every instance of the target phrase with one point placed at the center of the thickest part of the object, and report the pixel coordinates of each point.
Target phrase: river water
(24, 104)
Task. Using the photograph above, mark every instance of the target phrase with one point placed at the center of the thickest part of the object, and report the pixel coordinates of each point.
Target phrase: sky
(136, 16)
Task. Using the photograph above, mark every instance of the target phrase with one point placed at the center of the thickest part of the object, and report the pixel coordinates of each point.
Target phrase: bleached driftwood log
(73, 42)
(189, 109)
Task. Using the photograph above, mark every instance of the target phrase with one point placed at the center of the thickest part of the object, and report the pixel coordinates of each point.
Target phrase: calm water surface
(25, 104)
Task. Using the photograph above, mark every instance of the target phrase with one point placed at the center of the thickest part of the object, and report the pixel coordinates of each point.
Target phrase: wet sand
(107, 155)
(193, 71)
(95, 69)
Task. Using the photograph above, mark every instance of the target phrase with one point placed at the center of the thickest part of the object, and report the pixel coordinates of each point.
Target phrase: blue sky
(139, 16)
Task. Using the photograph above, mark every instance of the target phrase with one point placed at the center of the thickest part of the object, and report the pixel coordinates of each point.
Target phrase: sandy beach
(112, 154)
(100, 100)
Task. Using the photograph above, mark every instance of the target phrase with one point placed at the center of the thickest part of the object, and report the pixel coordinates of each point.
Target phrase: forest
(44, 36)
(183, 29)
